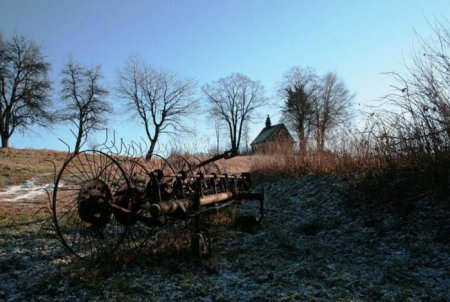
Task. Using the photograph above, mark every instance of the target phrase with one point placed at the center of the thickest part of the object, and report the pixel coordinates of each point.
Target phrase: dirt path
(310, 247)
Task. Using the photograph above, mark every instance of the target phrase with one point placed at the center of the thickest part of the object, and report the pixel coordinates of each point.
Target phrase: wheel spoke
(84, 187)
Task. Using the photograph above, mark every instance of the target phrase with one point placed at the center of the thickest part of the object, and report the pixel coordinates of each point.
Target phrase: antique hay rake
(102, 201)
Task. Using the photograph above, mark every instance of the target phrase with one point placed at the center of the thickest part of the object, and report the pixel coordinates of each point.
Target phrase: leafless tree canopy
(313, 105)
(84, 97)
(300, 92)
(419, 119)
(24, 86)
(332, 107)
(233, 100)
(160, 100)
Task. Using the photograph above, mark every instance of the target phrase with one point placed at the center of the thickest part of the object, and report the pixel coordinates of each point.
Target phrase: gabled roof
(267, 133)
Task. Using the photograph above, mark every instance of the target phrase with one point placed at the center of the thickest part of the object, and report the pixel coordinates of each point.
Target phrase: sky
(207, 40)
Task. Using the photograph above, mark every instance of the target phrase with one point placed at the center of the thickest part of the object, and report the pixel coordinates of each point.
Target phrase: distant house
(272, 137)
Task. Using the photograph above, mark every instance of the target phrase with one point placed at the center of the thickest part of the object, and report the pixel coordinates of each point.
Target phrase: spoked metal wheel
(151, 181)
(194, 161)
(137, 233)
(179, 163)
(162, 171)
(208, 169)
(85, 188)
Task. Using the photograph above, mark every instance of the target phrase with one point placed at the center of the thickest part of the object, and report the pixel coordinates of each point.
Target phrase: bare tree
(160, 100)
(218, 133)
(83, 95)
(246, 137)
(418, 121)
(24, 87)
(331, 107)
(425, 92)
(313, 104)
(300, 91)
(412, 133)
(234, 99)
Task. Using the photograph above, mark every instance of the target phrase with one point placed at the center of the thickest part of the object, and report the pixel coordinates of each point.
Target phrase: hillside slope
(311, 246)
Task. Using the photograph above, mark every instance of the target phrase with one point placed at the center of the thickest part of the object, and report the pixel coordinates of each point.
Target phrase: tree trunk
(234, 140)
(152, 148)
(218, 140)
(234, 148)
(302, 141)
(79, 138)
(322, 140)
(5, 141)
(5, 134)
(318, 140)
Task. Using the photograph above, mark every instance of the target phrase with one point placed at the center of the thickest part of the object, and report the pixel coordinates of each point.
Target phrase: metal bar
(214, 198)
(226, 154)
(238, 176)
(171, 206)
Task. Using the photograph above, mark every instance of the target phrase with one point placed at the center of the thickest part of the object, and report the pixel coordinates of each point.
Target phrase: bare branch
(313, 104)
(158, 99)
(234, 100)
(300, 91)
(84, 97)
(24, 87)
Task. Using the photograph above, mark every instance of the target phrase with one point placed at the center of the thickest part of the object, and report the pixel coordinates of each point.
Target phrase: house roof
(268, 132)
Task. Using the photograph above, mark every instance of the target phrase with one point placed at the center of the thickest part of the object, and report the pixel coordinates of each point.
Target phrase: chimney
(268, 123)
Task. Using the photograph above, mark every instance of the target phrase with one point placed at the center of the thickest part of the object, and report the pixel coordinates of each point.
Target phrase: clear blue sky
(208, 40)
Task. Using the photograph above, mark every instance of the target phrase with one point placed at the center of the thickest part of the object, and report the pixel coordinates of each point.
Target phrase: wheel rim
(84, 188)
(137, 234)
(140, 174)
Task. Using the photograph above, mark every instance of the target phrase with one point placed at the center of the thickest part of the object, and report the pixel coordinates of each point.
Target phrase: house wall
(280, 141)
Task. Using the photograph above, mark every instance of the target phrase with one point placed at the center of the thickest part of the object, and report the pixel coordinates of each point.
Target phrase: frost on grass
(26, 191)
(310, 246)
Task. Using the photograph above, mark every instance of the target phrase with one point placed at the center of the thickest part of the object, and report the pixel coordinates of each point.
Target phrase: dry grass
(18, 165)
(236, 164)
(382, 178)
(283, 161)
(22, 213)
(383, 172)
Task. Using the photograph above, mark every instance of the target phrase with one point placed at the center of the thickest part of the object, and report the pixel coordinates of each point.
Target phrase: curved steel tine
(114, 149)
(100, 146)
(140, 151)
(145, 144)
(67, 145)
(132, 151)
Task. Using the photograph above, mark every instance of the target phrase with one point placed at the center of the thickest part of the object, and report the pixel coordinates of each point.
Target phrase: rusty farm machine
(103, 201)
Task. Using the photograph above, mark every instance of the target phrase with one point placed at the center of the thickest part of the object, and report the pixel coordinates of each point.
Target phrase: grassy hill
(18, 165)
